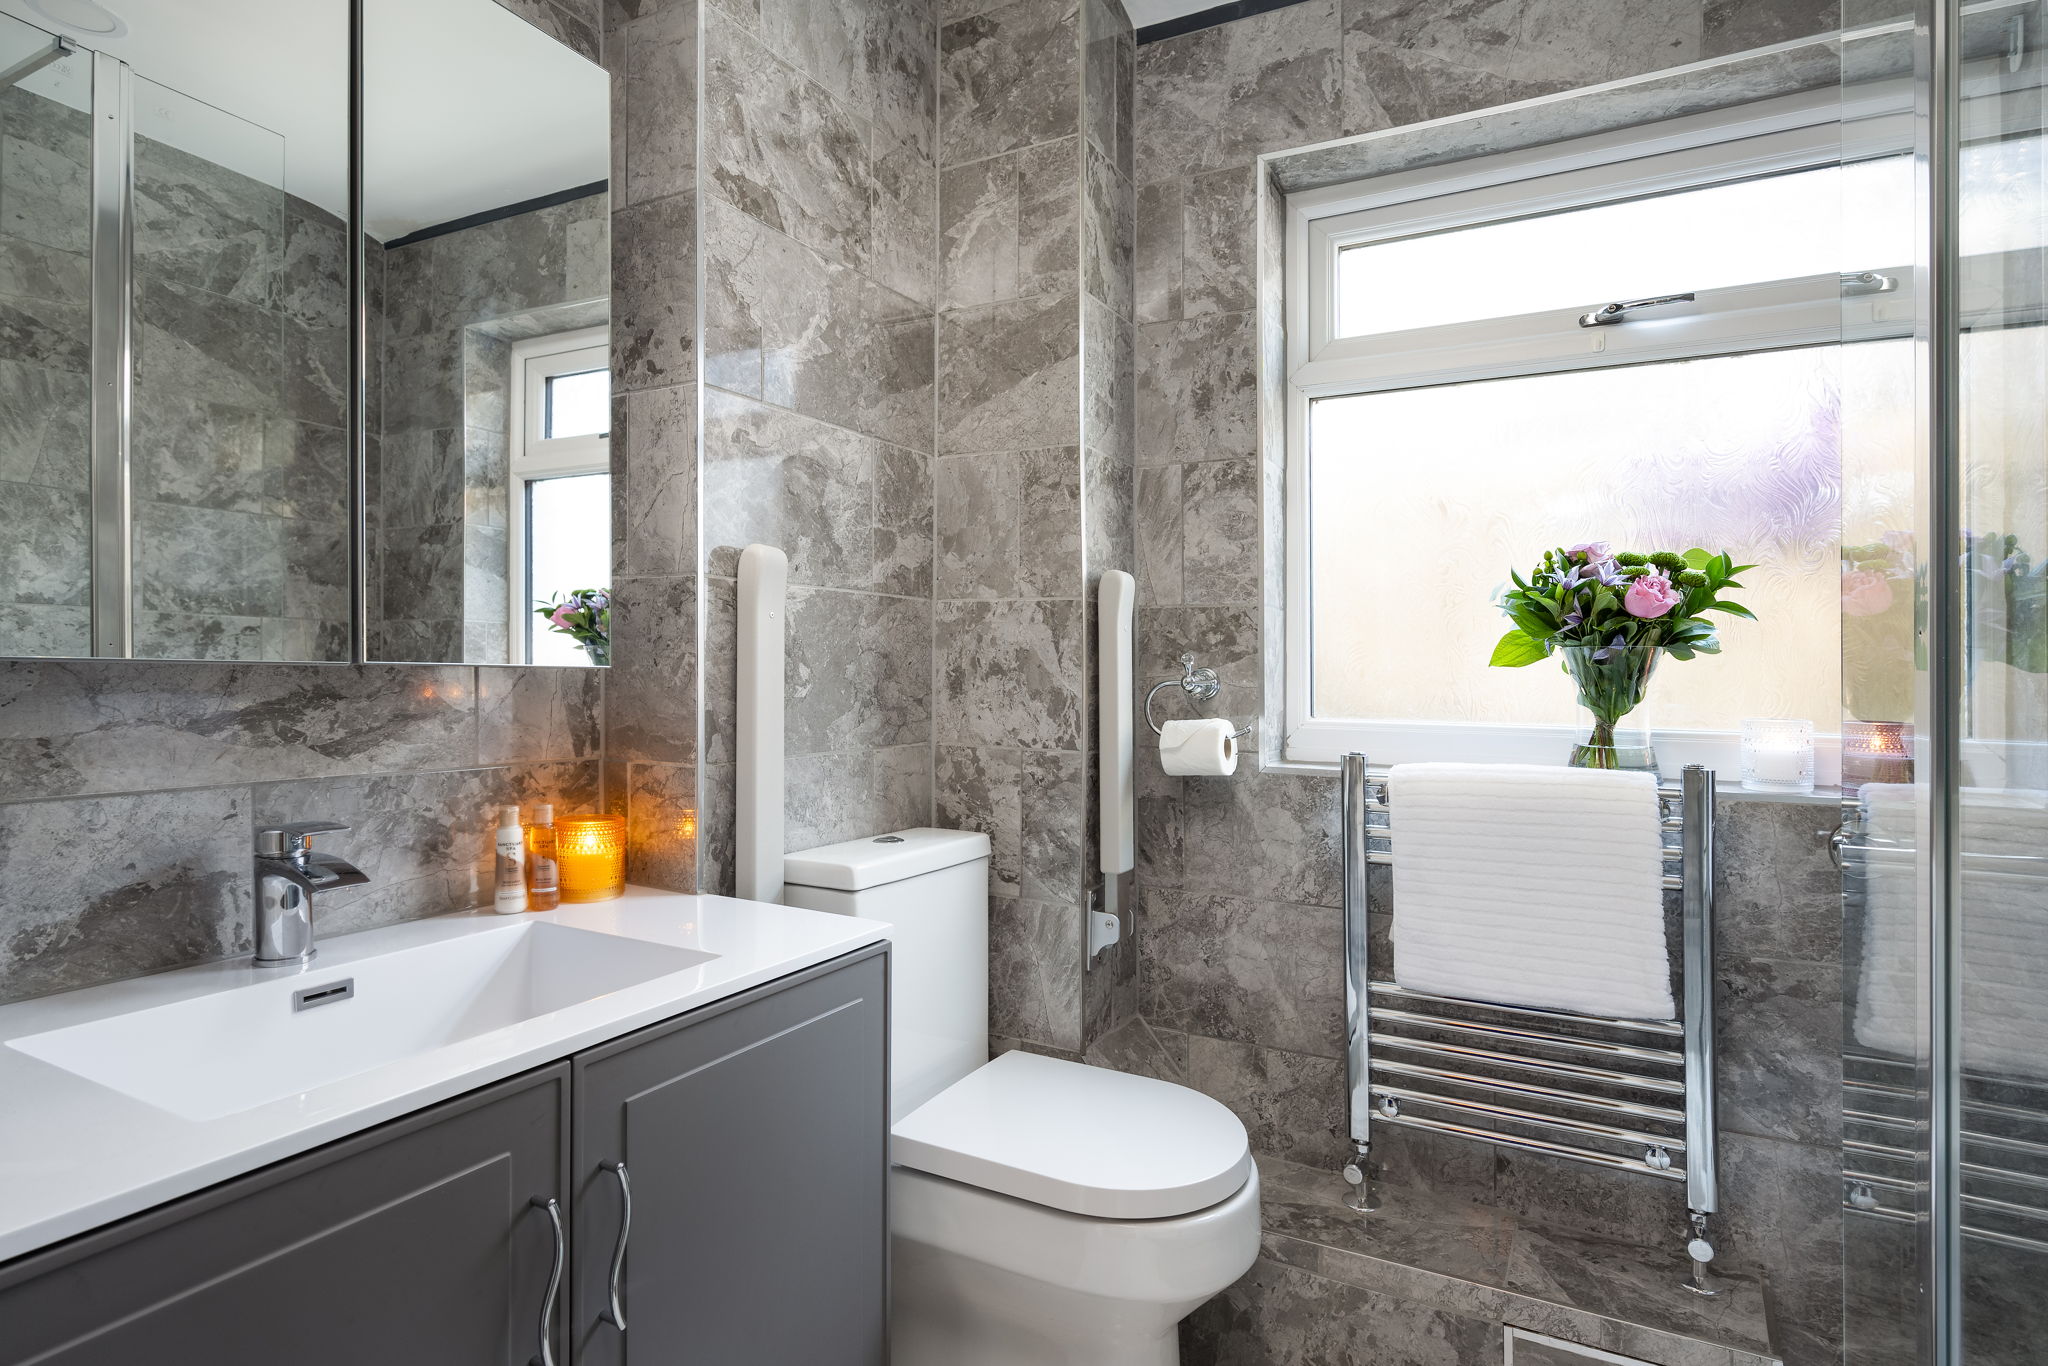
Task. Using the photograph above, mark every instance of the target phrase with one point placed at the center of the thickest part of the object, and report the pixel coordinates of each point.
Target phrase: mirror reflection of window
(559, 493)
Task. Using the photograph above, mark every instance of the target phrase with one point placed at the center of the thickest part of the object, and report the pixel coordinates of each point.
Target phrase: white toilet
(1043, 1213)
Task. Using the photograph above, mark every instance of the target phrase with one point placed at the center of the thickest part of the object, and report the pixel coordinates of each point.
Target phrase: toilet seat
(1085, 1140)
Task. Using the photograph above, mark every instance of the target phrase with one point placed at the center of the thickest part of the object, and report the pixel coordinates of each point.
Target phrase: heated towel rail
(1625, 1094)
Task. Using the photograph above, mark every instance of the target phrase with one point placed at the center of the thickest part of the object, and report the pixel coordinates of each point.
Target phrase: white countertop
(75, 1154)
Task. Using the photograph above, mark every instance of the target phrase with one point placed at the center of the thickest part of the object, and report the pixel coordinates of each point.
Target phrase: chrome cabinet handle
(546, 1356)
(616, 1313)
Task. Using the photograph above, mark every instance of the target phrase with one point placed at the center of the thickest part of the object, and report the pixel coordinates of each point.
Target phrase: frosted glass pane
(1423, 499)
(580, 404)
(1776, 227)
(568, 546)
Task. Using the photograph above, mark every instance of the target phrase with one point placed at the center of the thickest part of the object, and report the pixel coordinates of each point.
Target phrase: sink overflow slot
(325, 995)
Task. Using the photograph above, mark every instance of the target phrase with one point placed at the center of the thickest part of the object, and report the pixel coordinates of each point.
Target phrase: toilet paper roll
(1188, 748)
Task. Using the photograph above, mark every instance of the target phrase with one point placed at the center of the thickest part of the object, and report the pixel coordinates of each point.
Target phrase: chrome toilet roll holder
(1200, 685)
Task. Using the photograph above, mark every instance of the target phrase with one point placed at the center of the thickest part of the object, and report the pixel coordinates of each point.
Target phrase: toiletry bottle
(543, 874)
(511, 895)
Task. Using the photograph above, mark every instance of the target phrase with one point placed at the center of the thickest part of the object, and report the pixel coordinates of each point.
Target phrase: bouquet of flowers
(585, 616)
(1612, 615)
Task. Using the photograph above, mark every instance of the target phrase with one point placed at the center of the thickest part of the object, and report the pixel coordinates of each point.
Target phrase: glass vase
(1612, 682)
(600, 651)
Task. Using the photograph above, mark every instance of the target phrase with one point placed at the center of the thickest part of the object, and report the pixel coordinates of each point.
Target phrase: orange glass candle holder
(591, 851)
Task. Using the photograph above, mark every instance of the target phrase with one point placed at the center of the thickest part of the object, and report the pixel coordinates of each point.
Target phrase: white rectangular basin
(233, 1050)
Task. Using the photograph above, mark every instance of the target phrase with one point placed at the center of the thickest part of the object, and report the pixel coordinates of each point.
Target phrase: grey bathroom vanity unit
(706, 1187)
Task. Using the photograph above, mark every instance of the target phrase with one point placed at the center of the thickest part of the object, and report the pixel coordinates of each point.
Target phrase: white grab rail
(1116, 601)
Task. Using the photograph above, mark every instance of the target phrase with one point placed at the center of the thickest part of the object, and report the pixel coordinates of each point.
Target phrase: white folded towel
(1530, 885)
(2005, 928)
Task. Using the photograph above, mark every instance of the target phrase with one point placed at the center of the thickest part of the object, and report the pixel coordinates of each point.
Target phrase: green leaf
(1734, 609)
(1696, 558)
(1516, 649)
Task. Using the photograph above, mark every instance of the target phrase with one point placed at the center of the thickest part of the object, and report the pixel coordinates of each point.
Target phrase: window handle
(1608, 314)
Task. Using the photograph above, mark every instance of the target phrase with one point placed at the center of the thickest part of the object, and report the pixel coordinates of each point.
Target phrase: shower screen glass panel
(45, 358)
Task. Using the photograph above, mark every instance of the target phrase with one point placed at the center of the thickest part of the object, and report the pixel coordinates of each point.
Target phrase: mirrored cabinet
(246, 416)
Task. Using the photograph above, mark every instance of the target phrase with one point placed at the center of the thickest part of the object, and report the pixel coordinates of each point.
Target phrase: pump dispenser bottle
(511, 897)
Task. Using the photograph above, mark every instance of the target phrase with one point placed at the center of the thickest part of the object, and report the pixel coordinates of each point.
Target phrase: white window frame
(531, 455)
(1786, 134)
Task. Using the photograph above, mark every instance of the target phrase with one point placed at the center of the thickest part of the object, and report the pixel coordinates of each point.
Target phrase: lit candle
(592, 856)
(1777, 755)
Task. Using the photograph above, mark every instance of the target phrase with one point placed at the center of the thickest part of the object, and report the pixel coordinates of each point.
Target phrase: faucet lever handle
(294, 840)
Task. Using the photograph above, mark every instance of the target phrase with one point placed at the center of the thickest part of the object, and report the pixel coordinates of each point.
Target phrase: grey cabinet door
(413, 1243)
(754, 1135)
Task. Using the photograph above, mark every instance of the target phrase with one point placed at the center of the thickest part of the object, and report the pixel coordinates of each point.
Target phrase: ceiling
(469, 107)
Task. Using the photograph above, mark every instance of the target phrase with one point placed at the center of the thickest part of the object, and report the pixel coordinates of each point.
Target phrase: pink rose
(1651, 595)
(1591, 550)
(1865, 592)
(560, 616)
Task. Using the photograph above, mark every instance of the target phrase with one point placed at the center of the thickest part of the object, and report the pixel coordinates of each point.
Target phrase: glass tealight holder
(1777, 755)
(591, 854)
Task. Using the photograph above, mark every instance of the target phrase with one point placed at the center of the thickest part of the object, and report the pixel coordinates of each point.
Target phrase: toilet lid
(1078, 1138)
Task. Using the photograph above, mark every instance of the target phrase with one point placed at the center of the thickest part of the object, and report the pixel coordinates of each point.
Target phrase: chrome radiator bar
(1487, 1066)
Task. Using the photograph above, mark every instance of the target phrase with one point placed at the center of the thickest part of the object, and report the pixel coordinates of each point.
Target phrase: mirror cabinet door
(176, 450)
(486, 147)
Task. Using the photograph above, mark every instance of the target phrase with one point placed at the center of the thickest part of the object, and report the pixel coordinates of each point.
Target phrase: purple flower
(1591, 550)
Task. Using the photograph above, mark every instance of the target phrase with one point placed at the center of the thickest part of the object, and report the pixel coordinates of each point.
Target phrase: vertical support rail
(1702, 1146)
(757, 833)
(1116, 801)
(1357, 986)
(113, 357)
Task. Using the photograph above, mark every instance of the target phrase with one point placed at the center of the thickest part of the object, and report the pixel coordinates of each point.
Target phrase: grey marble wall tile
(1009, 376)
(1219, 232)
(1009, 673)
(1109, 382)
(536, 715)
(903, 233)
(1133, 1047)
(781, 148)
(313, 279)
(902, 47)
(1777, 894)
(189, 341)
(1291, 1103)
(651, 689)
(859, 671)
(654, 482)
(205, 226)
(1197, 389)
(1221, 547)
(655, 103)
(1220, 96)
(1405, 61)
(102, 888)
(1111, 532)
(795, 328)
(715, 833)
(46, 554)
(1639, 1283)
(1262, 835)
(1160, 559)
(850, 511)
(420, 481)
(1107, 233)
(1109, 92)
(1053, 807)
(31, 630)
(306, 468)
(1156, 229)
(422, 573)
(1007, 226)
(1034, 990)
(1247, 970)
(197, 635)
(1779, 1028)
(1783, 1211)
(44, 432)
(1009, 77)
(33, 271)
(654, 293)
(1223, 638)
(1161, 821)
(846, 795)
(977, 787)
(1739, 25)
(1010, 524)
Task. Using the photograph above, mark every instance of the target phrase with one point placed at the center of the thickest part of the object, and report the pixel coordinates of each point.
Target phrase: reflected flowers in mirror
(585, 616)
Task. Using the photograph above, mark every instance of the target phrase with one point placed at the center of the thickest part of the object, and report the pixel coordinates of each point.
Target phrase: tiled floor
(1429, 1280)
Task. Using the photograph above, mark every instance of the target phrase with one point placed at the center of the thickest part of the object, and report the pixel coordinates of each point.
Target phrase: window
(560, 484)
(1453, 413)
